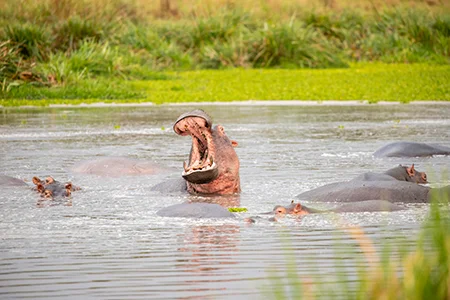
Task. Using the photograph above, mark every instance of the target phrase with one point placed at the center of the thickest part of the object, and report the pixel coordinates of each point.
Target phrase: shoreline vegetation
(364, 82)
(171, 51)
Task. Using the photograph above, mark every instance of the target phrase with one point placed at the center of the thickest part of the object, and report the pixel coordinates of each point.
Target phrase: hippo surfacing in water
(411, 149)
(396, 185)
(53, 192)
(6, 180)
(48, 188)
(117, 167)
(213, 165)
(363, 206)
(51, 189)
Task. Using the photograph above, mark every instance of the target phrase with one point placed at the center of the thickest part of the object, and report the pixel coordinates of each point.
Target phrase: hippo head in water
(213, 165)
(362, 206)
(291, 209)
(52, 189)
(405, 173)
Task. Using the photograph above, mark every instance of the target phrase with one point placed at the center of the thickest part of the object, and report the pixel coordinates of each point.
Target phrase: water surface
(106, 242)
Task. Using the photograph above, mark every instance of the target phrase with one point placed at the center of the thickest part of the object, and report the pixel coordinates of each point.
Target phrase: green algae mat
(371, 82)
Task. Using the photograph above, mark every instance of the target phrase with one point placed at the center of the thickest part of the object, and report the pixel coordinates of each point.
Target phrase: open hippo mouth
(201, 167)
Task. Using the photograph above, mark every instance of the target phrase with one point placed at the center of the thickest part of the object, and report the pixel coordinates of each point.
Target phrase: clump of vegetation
(31, 40)
(237, 209)
(71, 33)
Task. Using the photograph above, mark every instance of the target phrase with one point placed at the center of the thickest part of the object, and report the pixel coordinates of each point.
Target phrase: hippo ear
(36, 180)
(411, 172)
(234, 143)
(40, 188)
(297, 208)
(68, 186)
(423, 176)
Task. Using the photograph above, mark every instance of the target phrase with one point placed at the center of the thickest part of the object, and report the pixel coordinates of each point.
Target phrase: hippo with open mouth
(213, 165)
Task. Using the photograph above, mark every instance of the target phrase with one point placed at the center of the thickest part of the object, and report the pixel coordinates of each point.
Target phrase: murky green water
(109, 244)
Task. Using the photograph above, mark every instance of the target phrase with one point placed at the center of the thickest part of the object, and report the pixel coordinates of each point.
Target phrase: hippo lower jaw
(204, 174)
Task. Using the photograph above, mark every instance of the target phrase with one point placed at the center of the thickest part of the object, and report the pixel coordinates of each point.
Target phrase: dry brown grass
(277, 8)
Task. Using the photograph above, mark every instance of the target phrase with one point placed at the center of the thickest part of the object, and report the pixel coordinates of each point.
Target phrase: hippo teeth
(200, 168)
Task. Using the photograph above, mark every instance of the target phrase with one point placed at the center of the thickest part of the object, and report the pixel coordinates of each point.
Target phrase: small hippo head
(292, 209)
(416, 176)
(51, 189)
(413, 175)
(213, 165)
(405, 173)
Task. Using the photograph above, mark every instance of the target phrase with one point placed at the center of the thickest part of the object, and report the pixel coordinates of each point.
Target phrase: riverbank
(362, 82)
(133, 51)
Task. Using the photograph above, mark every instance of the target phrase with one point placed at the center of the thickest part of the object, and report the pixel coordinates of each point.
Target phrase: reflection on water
(202, 243)
(111, 244)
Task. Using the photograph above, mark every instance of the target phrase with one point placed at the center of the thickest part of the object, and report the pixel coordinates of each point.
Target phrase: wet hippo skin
(411, 149)
(371, 186)
(117, 166)
(6, 180)
(52, 189)
(213, 165)
(362, 206)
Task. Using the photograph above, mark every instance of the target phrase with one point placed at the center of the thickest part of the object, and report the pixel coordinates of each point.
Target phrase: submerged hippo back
(411, 149)
(117, 166)
(367, 206)
(11, 181)
(360, 190)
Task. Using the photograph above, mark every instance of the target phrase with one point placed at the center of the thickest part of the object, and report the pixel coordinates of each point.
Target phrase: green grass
(67, 51)
(63, 43)
(363, 81)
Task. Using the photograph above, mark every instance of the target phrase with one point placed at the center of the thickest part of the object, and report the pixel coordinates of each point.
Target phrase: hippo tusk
(185, 166)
